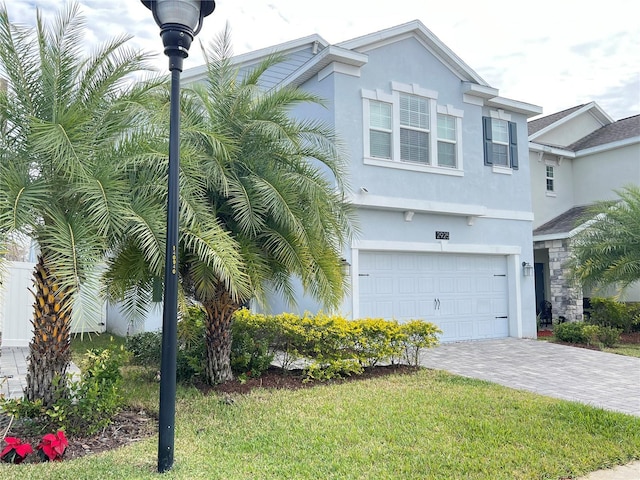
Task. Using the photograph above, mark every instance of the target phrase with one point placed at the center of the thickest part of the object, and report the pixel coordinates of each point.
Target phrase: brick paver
(604, 380)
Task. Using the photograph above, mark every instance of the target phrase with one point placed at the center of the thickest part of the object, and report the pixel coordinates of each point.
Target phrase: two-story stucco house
(440, 174)
(577, 156)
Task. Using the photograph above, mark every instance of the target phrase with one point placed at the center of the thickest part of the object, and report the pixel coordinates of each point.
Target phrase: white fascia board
(327, 56)
(561, 152)
(436, 247)
(595, 109)
(197, 73)
(480, 91)
(551, 236)
(524, 108)
(608, 146)
(379, 202)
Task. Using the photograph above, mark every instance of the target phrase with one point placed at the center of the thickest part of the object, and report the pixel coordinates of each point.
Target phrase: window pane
(549, 171)
(500, 131)
(380, 144)
(380, 115)
(447, 154)
(550, 184)
(446, 127)
(414, 112)
(500, 155)
(414, 146)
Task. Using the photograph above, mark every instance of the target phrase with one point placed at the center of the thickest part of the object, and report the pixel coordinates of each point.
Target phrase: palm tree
(67, 118)
(607, 250)
(271, 183)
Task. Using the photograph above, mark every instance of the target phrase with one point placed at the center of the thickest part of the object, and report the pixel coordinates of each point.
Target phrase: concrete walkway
(604, 380)
(13, 371)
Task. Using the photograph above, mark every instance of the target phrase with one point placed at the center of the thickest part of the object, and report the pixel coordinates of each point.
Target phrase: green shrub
(570, 332)
(609, 336)
(330, 345)
(145, 348)
(607, 312)
(191, 344)
(377, 340)
(418, 335)
(84, 406)
(590, 333)
(334, 369)
(249, 356)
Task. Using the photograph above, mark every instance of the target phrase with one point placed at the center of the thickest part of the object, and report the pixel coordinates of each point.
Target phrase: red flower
(15, 451)
(52, 446)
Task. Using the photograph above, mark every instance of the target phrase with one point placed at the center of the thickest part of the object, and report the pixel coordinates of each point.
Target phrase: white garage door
(465, 295)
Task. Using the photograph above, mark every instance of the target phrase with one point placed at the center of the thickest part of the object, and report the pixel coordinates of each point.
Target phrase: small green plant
(82, 406)
(145, 348)
(608, 312)
(609, 336)
(570, 332)
(418, 335)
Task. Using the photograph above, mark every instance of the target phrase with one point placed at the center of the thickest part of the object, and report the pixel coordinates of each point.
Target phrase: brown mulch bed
(130, 426)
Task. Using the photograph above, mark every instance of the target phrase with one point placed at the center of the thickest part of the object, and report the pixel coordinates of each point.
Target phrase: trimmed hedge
(330, 346)
(607, 312)
(324, 346)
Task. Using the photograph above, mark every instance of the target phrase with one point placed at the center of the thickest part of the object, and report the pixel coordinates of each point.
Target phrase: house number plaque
(442, 235)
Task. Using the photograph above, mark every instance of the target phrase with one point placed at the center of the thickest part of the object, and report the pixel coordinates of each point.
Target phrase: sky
(552, 53)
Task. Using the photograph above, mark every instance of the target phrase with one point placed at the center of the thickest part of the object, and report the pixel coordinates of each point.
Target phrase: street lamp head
(179, 22)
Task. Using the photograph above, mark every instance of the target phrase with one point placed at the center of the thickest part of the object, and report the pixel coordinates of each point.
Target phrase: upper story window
(500, 141)
(407, 129)
(550, 178)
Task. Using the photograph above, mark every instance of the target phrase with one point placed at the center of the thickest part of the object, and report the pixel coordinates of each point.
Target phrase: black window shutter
(488, 144)
(513, 145)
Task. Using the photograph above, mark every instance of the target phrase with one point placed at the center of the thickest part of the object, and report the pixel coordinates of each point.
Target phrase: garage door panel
(408, 309)
(407, 285)
(465, 295)
(426, 285)
(384, 285)
(446, 285)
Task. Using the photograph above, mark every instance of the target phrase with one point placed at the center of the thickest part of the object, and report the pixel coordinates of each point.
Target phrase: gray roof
(538, 124)
(563, 223)
(614, 132)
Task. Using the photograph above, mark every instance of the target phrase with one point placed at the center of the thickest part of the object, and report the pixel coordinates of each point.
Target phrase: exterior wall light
(527, 269)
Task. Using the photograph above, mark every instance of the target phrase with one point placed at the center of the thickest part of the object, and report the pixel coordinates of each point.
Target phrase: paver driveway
(595, 378)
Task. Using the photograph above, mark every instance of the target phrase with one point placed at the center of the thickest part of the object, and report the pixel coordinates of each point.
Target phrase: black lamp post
(179, 22)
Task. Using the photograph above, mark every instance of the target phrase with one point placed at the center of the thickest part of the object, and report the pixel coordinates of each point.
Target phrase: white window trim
(394, 98)
(552, 178)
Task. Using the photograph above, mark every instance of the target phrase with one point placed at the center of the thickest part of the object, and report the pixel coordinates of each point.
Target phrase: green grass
(629, 349)
(87, 341)
(430, 425)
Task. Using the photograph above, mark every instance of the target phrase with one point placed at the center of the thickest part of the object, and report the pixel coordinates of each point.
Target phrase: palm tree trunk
(218, 336)
(49, 354)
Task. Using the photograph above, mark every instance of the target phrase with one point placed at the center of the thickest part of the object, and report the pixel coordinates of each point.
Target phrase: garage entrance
(465, 295)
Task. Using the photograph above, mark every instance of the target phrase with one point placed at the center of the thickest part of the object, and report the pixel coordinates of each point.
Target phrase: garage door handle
(436, 304)
(363, 274)
(503, 317)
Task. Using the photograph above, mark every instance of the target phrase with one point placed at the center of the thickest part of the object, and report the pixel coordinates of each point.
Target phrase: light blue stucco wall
(506, 199)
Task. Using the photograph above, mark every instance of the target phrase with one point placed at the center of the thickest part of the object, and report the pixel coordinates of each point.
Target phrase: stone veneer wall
(566, 298)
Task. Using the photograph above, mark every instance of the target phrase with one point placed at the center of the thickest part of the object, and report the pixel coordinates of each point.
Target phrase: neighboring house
(440, 174)
(578, 156)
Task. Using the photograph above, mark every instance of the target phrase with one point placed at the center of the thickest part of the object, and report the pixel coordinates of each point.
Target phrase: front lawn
(427, 425)
(629, 344)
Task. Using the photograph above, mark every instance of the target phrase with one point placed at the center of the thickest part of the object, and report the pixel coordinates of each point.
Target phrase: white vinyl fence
(16, 306)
